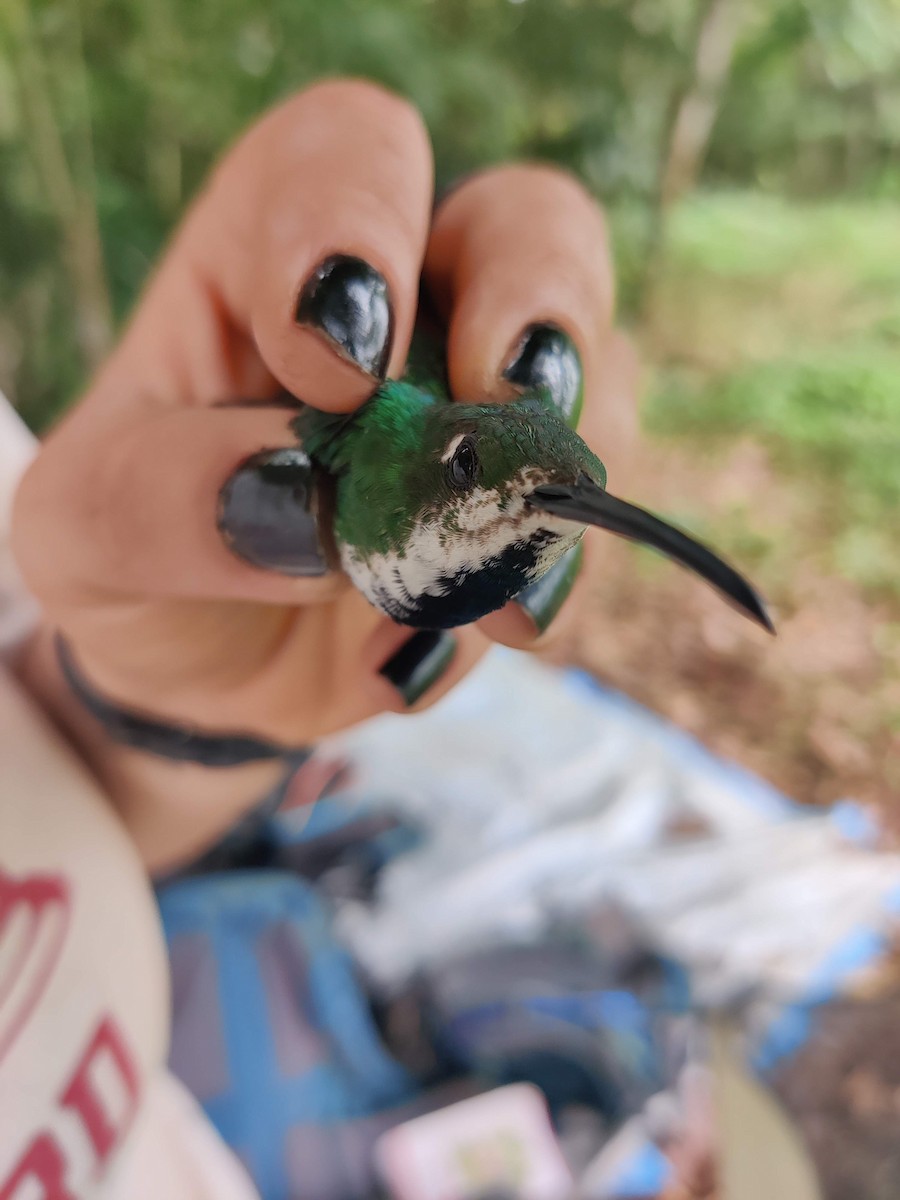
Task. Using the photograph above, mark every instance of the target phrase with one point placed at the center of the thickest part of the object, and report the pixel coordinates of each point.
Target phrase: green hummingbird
(443, 511)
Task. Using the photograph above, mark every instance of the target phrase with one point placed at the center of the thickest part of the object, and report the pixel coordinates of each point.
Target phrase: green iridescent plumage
(444, 511)
(387, 458)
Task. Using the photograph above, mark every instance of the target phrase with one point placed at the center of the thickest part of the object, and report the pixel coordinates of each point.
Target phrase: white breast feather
(436, 554)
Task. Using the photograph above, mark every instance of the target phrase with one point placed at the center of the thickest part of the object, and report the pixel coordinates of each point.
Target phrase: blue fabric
(577, 1043)
(646, 1174)
(262, 1101)
(297, 1080)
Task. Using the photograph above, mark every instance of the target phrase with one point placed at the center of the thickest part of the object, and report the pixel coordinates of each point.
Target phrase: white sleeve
(18, 611)
(87, 1106)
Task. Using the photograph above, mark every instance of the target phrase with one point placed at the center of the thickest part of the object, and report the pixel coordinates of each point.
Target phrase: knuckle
(351, 101)
(536, 180)
(356, 92)
(331, 112)
(26, 542)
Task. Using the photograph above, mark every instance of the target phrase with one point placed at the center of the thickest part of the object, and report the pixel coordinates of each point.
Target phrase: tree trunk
(69, 199)
(693, 113)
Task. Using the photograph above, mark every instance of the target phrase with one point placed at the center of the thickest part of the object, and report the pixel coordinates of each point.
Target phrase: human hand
(116, 525)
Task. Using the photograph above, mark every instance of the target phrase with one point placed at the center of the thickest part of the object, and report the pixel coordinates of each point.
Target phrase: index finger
(297, 266)
(271, 283)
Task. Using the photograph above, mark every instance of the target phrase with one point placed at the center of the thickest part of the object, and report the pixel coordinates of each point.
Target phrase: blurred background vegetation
(748, 152)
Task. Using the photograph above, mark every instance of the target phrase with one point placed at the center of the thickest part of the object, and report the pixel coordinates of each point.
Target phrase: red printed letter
(104, 1118)
(43, 1163)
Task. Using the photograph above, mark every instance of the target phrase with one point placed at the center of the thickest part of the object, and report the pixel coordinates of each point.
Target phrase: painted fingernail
(545, 356)
(349, 302)
(268, 513)
(419, 663)
(543, 600)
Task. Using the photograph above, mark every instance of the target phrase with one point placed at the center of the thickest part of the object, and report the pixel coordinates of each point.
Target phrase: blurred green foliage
(111, 112)
(775, 314)
(782, 324)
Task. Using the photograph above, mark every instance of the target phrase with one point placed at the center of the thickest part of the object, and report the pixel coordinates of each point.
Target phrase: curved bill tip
(589, 504)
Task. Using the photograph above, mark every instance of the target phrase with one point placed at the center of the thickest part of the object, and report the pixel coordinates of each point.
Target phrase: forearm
(172, 810)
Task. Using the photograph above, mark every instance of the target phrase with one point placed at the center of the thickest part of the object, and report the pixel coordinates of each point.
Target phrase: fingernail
(545, 356)
(349, 302)
(268, 513)
(543, 600)
(419, 663)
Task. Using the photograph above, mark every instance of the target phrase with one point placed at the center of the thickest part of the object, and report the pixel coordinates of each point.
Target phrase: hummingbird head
(444, 512)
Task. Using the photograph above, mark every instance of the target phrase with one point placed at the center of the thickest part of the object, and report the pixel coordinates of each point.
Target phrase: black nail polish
(348, 301)
(545, 356)
(543, 600)
(268, 513)
(419, 663)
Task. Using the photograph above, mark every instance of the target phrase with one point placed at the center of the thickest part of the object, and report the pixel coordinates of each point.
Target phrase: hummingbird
(444, 511)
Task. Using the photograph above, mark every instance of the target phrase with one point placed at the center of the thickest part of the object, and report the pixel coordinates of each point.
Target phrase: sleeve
(18, 611)
(87, 1107)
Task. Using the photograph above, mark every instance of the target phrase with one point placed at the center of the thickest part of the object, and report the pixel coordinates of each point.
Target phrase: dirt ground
(815, 710)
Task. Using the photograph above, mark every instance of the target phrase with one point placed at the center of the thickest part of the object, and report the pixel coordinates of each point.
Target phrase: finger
(519, 263)
(306, 244)
(205, 503)
(363, 664)
(406, 670)
(543, 612)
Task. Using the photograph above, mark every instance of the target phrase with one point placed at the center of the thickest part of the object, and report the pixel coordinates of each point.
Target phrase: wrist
(172, 740)
(173, 809)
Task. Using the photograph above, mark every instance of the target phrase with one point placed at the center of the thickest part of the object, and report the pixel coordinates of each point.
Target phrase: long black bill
(589, 504)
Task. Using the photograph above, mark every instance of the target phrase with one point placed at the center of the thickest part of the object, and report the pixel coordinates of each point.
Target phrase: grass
(780, 323)
(772, 408)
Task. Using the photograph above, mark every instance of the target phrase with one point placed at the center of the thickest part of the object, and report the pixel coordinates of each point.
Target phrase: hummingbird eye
(463, 466)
